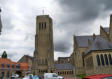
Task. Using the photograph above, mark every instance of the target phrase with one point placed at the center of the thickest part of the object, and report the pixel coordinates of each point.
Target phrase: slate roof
(107, 30)
(99, 44)
(83, 40)
(65, 66)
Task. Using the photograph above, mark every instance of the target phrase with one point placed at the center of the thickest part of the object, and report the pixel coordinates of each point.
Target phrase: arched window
(110, 59)
(83, 58)
(98, 60)
(45, 25)
(39, 26)
(42, 25)
(102, 59)
(106, 59)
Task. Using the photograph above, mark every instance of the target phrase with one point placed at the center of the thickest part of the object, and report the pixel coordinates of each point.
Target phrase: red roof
(100, 76)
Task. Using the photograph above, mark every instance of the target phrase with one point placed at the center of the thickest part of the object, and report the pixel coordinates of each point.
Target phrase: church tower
(44, 48)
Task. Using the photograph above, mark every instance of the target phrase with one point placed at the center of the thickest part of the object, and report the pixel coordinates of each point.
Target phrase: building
(44, 48)
(92, 54)
(98, 58)
(62, 60)
(26, 59)
(8, 68)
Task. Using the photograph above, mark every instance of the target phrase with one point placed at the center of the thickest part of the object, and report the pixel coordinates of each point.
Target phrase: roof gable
(83, 40)
(100, 44)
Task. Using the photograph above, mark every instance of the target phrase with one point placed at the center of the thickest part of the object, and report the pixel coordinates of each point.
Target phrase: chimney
(94, 36)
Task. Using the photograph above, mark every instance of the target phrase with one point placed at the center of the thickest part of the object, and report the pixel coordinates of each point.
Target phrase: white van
(52, 76)
(15, 76)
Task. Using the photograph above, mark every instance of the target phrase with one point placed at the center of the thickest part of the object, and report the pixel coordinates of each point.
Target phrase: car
(99, 76)
(28, 77)
(15, 76)
(52, 76)
(36, 77)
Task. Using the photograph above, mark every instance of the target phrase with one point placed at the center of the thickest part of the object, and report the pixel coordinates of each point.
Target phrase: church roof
(106, 29)
(99, 44)
(83, 40)
(65, 66)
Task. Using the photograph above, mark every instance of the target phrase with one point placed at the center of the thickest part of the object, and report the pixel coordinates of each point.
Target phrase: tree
(4, 55)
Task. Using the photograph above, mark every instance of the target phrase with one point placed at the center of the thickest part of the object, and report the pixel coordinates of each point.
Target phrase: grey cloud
(62, 46)
(84, 10)
(78, 17)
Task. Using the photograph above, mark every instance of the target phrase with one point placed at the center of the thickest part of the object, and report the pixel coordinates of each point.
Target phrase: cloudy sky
(70, 17)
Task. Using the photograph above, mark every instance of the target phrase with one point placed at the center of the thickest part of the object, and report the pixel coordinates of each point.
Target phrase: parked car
(15, 76)
(99, 76)
(36, 77)
(28, 77)
(52, 76)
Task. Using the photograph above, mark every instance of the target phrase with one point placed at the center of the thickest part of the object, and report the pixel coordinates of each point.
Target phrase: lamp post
(74, 70)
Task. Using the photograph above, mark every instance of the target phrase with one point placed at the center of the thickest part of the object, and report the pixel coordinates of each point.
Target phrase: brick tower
(44, 48)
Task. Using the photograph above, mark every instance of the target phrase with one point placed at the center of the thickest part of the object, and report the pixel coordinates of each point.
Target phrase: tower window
(42, 25)
(39, 26)
(45, 25)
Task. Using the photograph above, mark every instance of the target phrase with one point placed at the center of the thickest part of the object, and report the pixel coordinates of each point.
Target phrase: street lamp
(74, 70)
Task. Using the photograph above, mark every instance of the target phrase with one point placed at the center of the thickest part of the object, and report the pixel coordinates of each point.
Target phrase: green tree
(4, 55)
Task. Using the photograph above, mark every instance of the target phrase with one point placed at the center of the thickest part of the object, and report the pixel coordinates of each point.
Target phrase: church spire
(0, 22)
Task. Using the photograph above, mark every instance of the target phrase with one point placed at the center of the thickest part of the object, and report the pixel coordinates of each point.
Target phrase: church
(91, 53)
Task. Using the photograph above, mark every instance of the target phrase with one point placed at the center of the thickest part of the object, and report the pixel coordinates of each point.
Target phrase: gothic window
(39, 26)
(45, 25)
(106, 59)
(102, 59)
(98, 60)
(89, 62)
(42, 26)
(110, 59)
(83, 58)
